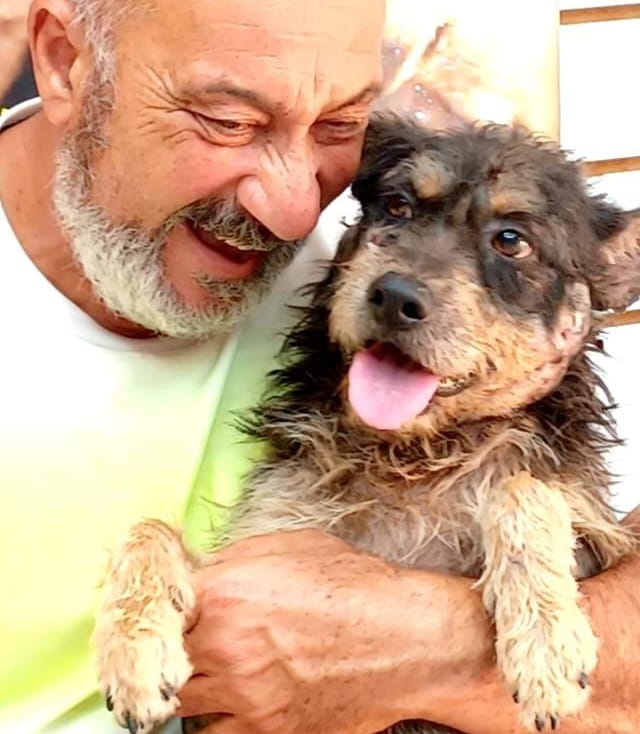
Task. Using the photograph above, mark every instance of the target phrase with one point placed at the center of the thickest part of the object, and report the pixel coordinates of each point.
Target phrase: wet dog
(435, 406)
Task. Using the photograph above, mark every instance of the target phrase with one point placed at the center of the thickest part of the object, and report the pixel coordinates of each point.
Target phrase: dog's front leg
(545, 646)
(147, 602)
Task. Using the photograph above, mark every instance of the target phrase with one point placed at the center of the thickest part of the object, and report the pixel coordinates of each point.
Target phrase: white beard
(125, 265)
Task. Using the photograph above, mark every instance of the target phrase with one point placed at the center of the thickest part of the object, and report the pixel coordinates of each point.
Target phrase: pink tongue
(387, 390)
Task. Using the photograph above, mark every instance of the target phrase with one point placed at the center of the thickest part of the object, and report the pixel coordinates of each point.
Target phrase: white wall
(600, 118)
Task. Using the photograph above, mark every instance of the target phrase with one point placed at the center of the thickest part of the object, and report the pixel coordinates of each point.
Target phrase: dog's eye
(398, 207)
(510, 243)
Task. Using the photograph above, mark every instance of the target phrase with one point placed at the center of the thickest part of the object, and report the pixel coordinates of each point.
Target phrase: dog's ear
(389, 139)
(614, 273)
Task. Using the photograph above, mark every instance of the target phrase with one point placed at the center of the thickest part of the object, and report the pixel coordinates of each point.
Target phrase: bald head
(99, 19)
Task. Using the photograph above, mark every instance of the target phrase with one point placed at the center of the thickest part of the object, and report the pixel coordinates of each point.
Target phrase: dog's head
(468, 284)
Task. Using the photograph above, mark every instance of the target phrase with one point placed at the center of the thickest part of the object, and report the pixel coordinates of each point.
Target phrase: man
(181, 152)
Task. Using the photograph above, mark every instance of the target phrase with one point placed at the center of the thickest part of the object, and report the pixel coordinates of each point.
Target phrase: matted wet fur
(479, 257)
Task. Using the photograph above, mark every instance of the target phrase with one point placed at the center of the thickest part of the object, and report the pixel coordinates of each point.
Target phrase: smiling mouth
(227, 247)
(388, 389)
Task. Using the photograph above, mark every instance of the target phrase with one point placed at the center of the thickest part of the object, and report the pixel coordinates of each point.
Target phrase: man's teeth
(230, 242)
(239, 244)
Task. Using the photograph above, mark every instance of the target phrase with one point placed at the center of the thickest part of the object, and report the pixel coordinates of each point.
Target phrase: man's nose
(284, 194)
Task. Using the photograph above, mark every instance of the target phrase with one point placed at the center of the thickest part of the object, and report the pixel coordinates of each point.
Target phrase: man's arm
(308, 630)
(480, 704)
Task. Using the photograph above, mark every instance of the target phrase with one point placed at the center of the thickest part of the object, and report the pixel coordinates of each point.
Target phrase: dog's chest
(414, 526)
(419, 530)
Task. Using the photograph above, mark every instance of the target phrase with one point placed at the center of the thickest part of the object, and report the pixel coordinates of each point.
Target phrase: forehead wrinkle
(239, 42)
(206, 86)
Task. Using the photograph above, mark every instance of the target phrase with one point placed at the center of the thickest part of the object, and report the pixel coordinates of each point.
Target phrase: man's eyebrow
(229, 89)
(255, 99)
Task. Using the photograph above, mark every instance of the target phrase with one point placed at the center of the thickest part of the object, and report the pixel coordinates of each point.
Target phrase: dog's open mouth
(388, 389)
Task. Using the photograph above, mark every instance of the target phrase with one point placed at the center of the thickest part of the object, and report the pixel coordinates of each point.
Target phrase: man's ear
(59, 56)
(614, 274)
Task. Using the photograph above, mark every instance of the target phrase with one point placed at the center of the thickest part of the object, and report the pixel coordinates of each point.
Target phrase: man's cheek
(338, 171)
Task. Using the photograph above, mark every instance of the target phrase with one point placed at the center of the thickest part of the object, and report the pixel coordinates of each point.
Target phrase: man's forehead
(354, 24)
(272, 53)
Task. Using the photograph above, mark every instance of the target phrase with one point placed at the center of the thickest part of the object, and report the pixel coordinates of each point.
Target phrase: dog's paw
(147, 602)
(140, 674)
(548, 667)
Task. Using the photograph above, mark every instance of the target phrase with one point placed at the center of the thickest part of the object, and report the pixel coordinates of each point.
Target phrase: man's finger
(265, 698)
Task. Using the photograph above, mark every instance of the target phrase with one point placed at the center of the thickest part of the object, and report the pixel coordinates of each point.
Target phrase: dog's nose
(398, 301)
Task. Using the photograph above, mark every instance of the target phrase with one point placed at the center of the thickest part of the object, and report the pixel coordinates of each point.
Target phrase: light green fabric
(46, 665)
(50, 672)
(228, 454)
(96, 433)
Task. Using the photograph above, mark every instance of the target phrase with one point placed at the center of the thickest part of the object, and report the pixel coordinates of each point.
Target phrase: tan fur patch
(509, 193)
(430, 176)
(615, 275)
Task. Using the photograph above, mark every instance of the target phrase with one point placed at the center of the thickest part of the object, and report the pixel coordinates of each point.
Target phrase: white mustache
(233, 226)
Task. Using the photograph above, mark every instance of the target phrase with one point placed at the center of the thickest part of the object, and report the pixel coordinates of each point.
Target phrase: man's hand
(300, 632)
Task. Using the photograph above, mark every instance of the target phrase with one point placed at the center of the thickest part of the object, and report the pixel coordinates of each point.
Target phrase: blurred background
(16, 80)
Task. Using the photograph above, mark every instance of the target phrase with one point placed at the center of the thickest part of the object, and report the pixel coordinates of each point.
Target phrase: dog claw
(109, 702)
(541, 722)
(583, 680)
(131, 725)
(516, 697)
(167, 693)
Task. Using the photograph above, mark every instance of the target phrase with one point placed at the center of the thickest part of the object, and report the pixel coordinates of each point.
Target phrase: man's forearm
(471, 697)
